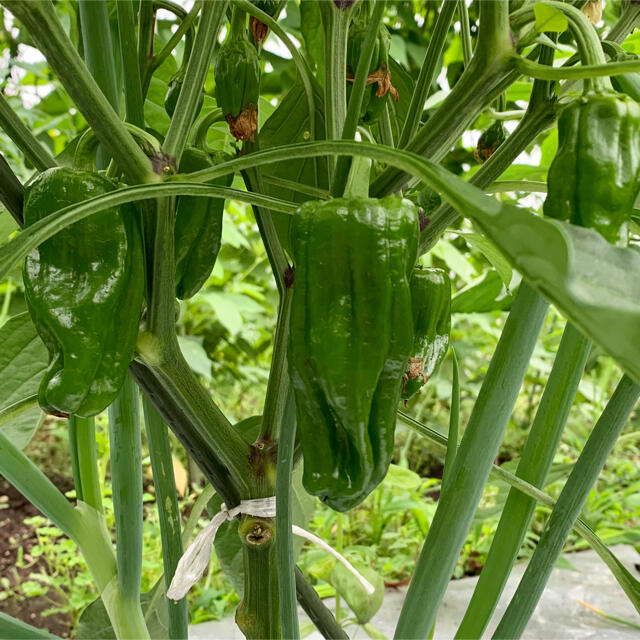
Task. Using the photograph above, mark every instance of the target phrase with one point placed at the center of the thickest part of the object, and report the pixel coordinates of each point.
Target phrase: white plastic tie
(197, 556)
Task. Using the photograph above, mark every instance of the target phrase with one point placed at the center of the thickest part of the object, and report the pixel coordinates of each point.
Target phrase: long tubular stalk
(428, 71)
(534, 466)
(168, 513)
(146, 27)
(454, 420)
(335, 23)
(284, 520)
(126, 482)
(85, 444)
(544, 72)
(465, 32)
(133, 100)
(483, 80)
(195, 75)
(35, 153)
(41, 20)
(567, 509)
(314, 607)
(11, 191)
(472, 465)
(627, 581)
(73, 452)
(352, 116)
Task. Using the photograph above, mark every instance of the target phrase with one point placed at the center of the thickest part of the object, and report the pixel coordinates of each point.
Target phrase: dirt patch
(18, 537)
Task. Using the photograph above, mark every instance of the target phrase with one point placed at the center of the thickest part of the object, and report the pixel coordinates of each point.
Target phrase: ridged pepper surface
(237, 76)
(198, 227)
(84, 289)
(350, 336)
(431, 312)
(593, 179)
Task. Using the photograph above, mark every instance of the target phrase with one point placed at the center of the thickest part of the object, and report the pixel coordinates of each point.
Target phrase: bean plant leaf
(23, 360)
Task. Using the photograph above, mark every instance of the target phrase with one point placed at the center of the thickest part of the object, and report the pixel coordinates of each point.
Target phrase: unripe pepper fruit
(198, 226)
(593, 180)
(84, 289)
(350, 337)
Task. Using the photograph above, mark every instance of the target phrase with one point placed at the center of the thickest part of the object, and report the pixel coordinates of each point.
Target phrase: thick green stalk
(11, 191)
(472, 465)
(567, 509)
(41, 20)
(284, 520)
(427, 72)
(488, 75)
(319, 614)
(85, 442)
(352, 116)
(168, 513)
(335, 23)
(206, 37)
(189, 410)
(535, 462)
(130, 64)
(258, 615)
(35, 153)
(126, 482)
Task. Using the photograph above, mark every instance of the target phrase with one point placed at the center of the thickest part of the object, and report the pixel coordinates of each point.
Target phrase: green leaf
(195, 355)
(403, 479)
(482, 295)
(18, 630)
(23, 360)
(313, 35)
(363, 605)
(492, 254)
(549, 18)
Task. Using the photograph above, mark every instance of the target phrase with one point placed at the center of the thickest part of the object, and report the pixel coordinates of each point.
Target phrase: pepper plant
(348, 191)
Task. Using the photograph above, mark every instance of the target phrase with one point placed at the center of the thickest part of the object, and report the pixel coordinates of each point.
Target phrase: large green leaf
(23, 359)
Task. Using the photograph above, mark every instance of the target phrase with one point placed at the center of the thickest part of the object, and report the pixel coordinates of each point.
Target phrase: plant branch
(11, 191)
(428, 70)
(24, 139)
(134, 103)
(352, 117)
(314, 607)
(41, 20)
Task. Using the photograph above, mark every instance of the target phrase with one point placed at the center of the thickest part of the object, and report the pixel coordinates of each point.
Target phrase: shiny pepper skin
(237, 76)
(431, 311)
(593, 179)
(379, 75)
(198, 227)
(350, 336)
(84, 289)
